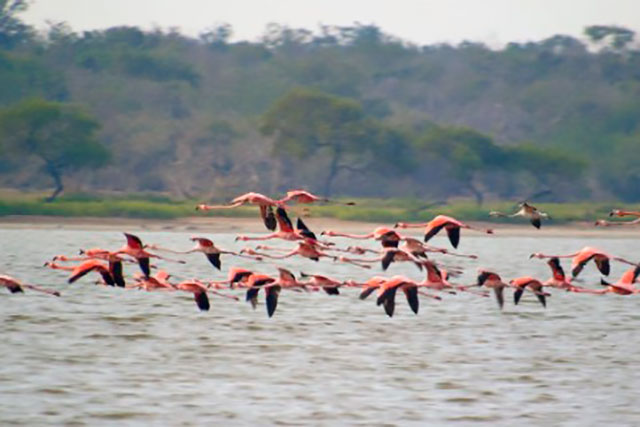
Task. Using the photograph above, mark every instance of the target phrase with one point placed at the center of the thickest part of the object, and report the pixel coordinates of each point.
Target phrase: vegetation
(350, 111)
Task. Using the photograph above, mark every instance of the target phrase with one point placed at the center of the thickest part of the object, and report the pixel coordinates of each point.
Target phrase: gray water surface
(105, 356)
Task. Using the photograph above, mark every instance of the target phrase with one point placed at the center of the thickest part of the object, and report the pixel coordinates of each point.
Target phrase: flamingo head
(615, 212)
(400, 225)
(536, 255)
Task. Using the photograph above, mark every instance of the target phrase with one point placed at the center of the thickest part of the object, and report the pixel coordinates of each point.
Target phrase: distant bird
(265, 203)
(303, 196)
(451, 225)
(16, 286)
(583, 256)
(329, 285)
(525, 210)
(387, 294)
(620, 213)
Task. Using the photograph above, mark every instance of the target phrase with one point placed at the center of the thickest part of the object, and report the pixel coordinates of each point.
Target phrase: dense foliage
(346, 110)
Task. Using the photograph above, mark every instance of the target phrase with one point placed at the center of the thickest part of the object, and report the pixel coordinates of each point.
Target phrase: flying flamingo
(560, 281)
(624, 286)
(135, 249)
(437, 279)
(265, 203)
(583, 256)
(420, 250)
(492, 280)
(236, 276)
(199, 291)
(387, 236)
(525, 210)
(85, 268)
(534, 285)
(620, 213)
(389, 255)
(286, 230)
(451, 225)
(205, 246)
(257, 281)
(159, 281)
(302, 196)
(15, 286)
(115, 262)
(387, 294)
(327, 284)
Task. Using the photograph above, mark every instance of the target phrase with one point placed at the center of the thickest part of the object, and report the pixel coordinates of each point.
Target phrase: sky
(494, 22)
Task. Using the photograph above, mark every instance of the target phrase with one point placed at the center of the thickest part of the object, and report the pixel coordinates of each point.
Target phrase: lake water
(105, 356)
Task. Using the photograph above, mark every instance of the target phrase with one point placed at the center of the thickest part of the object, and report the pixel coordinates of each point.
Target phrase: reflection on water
(101, 355)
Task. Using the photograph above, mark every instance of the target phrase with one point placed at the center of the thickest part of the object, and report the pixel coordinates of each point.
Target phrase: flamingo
(387, 294)
(199, 291)
(265, 203)
(302, 196)
(329, 285)
(205, 246)
(390, 255)
(534, 285)
(257, 281)
(15, 286)
(560, 281)
(624, 286)
(451, 225)
(492, 280)
(583, 256)
(420, 250)
(135, 249)
(387, 236)
(159, 281)
(236, 276)
(286, 230)
(85, 268)
(115, 262)
(525, 210)
(620, 213)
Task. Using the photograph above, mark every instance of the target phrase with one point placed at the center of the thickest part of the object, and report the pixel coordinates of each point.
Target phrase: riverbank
(238, 225)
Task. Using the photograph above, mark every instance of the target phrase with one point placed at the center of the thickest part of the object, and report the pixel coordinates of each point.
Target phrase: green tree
(467, 152)
(619, 37)
(307, 123)
(61, 136)
(12, 30)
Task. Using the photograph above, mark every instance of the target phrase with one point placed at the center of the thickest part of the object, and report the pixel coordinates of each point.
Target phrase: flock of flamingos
(395, 247)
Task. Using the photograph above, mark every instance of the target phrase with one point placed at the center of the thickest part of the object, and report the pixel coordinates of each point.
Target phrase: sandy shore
(253, 225)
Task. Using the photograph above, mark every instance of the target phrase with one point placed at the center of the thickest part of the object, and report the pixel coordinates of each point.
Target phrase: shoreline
(217, 224)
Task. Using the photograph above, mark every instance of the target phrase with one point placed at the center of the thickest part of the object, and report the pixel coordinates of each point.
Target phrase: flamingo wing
(536, 222)
(432, 231)
(387, 259)
(388, 300)
(202, 300)
(214, 259)
(603, 265)
(115, 268)
(271, 299)
(411, 292)
(331, 290)
(454, 235)
(556, 269)
(145, 266)
(304, 230)
(499, 293)
(14, 288)
(283, 220)
(268, 217)
(366, 292)
(133, 241)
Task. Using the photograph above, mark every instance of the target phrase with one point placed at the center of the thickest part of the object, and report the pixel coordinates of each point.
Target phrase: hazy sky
(420, 21)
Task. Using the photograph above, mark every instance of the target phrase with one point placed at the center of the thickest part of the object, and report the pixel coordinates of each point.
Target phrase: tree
(61, 136)
(306, 123)
(467, 152)
(620, 37)
(12, 30)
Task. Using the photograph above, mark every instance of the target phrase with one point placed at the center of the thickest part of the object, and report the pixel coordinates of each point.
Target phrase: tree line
(341, 110)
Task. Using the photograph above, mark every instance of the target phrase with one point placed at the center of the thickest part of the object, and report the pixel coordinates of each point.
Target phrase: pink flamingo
(265, 203)
(15, 286)
(583, 256)
(451, 225)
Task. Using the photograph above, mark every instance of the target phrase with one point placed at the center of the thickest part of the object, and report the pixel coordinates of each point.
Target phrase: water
(101, 356)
